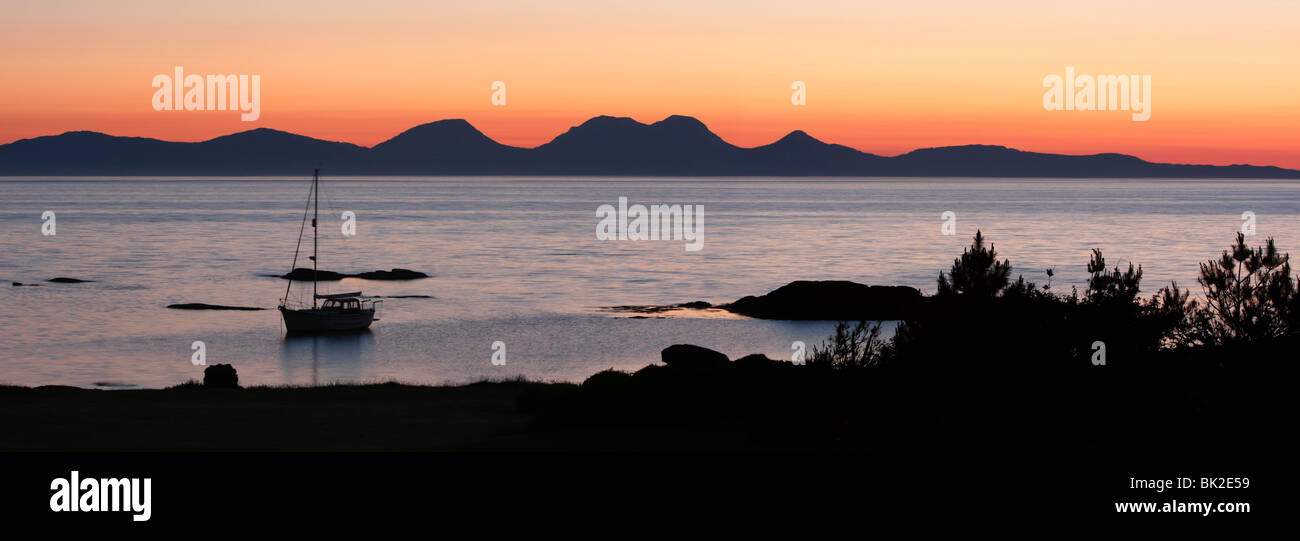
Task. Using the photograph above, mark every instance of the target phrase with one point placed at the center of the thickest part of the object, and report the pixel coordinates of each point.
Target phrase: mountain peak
(453, 144)
(451, 132)
(445, 126)
(257, 132)
(447, 123)
(607, 120)
(82, 133)
(798, 136)
(681, 121)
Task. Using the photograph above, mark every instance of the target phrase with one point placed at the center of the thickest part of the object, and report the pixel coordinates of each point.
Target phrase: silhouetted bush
(851, 346)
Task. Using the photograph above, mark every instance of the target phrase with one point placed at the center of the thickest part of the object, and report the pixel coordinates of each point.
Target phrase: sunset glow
(882, 77)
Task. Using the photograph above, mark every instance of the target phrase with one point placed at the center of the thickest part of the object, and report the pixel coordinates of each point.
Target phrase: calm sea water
(517, 261)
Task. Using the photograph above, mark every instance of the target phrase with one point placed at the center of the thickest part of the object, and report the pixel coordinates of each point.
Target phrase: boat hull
(318, 321)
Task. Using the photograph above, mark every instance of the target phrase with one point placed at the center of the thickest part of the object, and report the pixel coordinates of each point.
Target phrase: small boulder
(220, 376)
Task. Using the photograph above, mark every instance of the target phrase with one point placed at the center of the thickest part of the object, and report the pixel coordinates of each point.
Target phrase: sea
(520, 282)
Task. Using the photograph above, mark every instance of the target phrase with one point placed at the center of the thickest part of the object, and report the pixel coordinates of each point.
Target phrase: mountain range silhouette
(604, 145)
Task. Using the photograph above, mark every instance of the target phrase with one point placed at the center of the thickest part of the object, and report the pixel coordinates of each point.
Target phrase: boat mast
(297, 249)
(315, 236)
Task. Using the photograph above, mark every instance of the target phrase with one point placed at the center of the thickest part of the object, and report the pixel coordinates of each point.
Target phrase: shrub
(1249, 295)
(977, 273)
(1113, 287)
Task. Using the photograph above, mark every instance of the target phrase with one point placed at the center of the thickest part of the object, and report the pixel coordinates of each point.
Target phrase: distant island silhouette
(604, 145)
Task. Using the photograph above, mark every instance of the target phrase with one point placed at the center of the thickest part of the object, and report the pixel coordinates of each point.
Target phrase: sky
(884, 77)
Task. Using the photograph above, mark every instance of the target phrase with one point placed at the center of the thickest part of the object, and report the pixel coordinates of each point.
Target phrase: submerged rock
(394, 274)
(657, 308)
(831, 300)
(204, 306)
(307, 275)
(20, 284)
(304, 274)
(113, 384)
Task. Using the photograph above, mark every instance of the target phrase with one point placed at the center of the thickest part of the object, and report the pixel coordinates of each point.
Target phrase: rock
(755, 360)
(304, 274)
(831, 300)
(220, 376)
(20, 284)
(66, 280)
(395, 274)
(695, 358)
(657, 308)
(203, 306)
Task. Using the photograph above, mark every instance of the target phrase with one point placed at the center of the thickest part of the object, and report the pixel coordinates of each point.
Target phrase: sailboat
(338, 312)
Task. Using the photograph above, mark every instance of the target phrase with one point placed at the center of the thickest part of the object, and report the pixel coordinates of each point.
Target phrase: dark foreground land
(987, 367)
(1184, 406)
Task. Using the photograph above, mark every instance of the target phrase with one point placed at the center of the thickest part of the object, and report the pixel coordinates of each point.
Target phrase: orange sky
(883, 77)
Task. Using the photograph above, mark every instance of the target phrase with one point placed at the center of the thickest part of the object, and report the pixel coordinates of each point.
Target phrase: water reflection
(338, 356)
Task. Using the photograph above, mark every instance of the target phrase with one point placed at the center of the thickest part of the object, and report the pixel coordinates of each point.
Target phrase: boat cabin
(349, 303)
